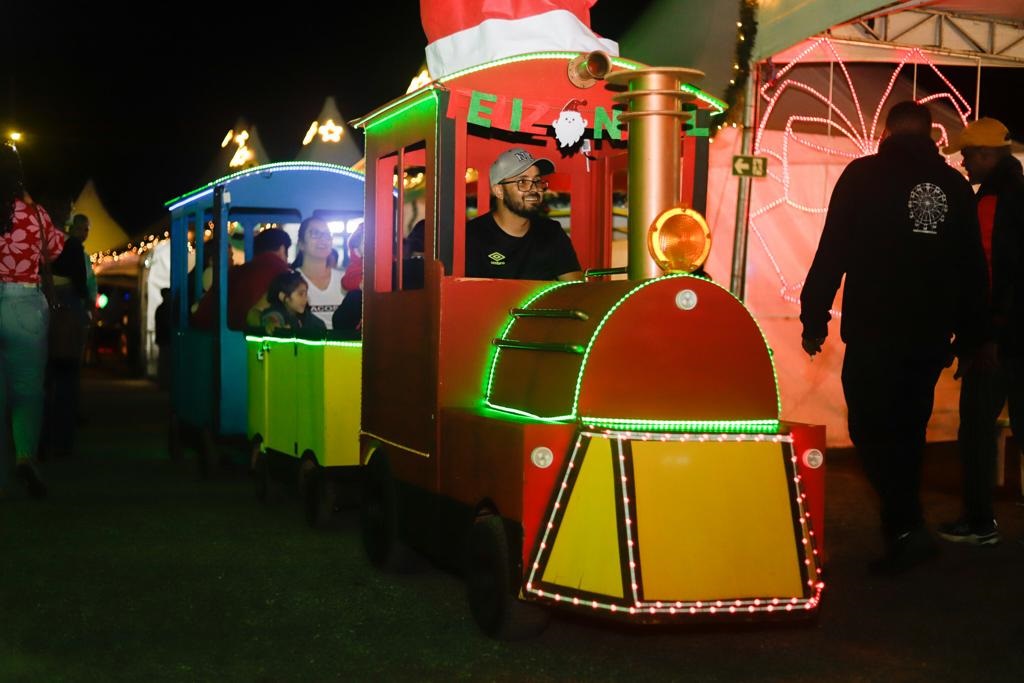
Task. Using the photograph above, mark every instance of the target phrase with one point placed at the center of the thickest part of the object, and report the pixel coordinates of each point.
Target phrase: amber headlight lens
(679, 240)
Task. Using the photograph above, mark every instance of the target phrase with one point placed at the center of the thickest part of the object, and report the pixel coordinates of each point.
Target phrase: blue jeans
(24, 322)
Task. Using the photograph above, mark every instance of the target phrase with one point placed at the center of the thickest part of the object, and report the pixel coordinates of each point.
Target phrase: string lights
(746, 33)
(839, 134)
(807, 551)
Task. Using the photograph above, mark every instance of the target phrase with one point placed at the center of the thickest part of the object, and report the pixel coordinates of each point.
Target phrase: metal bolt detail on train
(611, 446)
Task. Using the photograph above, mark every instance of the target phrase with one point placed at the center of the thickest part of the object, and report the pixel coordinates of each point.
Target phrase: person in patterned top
(24, 319)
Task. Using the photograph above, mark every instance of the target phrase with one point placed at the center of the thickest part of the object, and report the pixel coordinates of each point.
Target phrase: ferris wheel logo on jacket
(928, 208)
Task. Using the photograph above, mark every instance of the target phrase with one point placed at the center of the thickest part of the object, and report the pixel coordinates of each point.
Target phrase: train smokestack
(655, 118)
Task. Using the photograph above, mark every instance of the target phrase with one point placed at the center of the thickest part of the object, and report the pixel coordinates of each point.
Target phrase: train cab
(611, 445)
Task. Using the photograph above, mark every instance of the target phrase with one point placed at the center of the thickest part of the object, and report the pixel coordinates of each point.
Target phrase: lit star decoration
(843, 136)
(243, 153)
(328, 131)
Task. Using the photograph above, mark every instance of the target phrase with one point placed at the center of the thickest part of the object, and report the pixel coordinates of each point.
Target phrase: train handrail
(569, 313)
(601, 272)
(576, 349)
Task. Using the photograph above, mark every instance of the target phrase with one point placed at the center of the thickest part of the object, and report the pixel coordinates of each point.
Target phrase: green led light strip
(617, 61)
(397, 108)
(270, 168)
(523, 413)
(601, 421)
(767, 347)
(306, 342)
(718, 105)
(709, 426)
(620, 62)
(497, 350)
(597, 331)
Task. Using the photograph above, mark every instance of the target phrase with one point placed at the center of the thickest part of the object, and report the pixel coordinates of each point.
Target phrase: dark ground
(134, 569)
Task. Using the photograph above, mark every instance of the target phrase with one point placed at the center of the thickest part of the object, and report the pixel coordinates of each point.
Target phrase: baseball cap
(984, 132)
(516, 160)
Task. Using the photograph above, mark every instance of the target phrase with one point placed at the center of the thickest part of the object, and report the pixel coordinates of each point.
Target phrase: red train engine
(612, 445)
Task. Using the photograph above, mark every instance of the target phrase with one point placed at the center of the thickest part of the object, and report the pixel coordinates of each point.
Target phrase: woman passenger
(24, 319)
(313, 250)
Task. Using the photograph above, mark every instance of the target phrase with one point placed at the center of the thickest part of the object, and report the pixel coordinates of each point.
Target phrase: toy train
(612, 446)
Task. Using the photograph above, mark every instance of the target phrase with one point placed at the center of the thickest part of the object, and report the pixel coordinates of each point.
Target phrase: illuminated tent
(328, 140)
(828, 73)
(240, 148)
(104, 231)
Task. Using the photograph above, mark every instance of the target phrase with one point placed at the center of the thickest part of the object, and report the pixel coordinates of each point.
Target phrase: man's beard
(521, 209)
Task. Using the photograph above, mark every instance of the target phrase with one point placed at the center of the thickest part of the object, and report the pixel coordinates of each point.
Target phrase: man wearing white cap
(515, 241)
(996, 373)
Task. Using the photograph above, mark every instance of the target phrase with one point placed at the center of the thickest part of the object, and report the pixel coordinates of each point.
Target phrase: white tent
(819, 107)
(329, 140)
(240, 148)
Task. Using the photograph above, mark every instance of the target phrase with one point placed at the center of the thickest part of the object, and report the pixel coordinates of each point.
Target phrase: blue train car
(209, 388)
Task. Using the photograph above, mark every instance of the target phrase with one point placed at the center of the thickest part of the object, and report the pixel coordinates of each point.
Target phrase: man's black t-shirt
(543, 253)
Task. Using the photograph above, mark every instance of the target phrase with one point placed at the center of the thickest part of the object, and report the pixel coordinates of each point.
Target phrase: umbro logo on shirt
(497, 258)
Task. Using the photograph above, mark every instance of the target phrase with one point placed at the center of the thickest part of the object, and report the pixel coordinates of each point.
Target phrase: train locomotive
(611, 446)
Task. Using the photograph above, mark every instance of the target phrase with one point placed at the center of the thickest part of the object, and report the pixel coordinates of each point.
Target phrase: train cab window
(342, 224)
(473, 202)
(620, 216)
(559, 207)
(408, 243)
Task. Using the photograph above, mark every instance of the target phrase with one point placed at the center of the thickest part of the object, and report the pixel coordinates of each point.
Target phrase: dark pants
(63, 380)
(889, 395)
(983, 392)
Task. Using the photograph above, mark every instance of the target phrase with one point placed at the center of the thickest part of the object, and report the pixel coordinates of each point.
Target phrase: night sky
(141, 106)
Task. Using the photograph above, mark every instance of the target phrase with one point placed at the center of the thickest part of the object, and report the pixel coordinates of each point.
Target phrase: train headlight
(679, 240)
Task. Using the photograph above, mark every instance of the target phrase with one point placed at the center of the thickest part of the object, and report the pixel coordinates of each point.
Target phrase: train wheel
(207, 458)
(267, 488)
(174, 449)
(318, 494)
(255, 450)
(491, 582)
(378, 520)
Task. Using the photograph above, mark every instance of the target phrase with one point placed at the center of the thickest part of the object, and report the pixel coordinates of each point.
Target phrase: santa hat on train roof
(464, 33)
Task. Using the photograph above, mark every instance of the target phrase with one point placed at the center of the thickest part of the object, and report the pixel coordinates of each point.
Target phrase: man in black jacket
(902, 228)
(996, 372)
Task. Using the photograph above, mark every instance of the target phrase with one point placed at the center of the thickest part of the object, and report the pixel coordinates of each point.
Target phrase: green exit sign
(754, 167)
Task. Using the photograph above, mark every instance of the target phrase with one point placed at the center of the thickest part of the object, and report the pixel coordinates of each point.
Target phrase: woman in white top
(314, 247)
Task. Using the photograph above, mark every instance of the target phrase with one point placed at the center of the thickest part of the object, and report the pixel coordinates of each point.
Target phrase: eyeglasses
(525, 184)
(319, 235)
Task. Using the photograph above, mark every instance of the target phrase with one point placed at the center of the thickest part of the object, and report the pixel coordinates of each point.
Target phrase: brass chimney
(655, 119)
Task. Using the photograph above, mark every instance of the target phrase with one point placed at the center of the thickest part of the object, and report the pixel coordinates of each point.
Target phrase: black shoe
(29, 475)
(906, 551)
(962, 531)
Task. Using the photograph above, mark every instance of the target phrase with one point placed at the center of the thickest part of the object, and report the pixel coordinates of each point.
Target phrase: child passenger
(288, 297)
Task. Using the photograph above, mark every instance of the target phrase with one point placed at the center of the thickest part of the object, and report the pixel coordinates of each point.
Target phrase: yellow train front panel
(656, 525)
